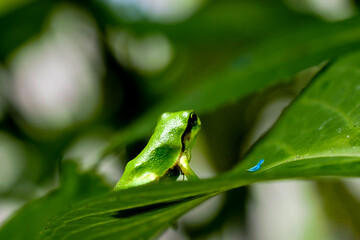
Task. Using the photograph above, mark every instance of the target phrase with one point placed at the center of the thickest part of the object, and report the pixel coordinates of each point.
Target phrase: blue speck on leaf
(257, 167)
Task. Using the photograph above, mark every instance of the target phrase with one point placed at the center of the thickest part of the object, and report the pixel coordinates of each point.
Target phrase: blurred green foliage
(86, 81)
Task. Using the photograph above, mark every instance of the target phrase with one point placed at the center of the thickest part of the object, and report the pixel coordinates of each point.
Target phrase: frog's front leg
(185, 168)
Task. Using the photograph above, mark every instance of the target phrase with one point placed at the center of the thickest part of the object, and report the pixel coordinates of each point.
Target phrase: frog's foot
(185, 168)
(147, 178)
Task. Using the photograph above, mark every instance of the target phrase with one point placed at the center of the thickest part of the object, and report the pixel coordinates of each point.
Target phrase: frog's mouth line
(186, 136)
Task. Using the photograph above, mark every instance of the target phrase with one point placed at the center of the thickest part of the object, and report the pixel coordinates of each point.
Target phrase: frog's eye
(193, 119)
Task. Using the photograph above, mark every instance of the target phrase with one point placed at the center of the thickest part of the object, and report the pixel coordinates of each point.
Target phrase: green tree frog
(167, 154)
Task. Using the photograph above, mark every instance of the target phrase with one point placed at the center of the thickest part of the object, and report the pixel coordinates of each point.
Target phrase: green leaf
(319, 131)
(34, 215)
(266, 65)
(318, 135)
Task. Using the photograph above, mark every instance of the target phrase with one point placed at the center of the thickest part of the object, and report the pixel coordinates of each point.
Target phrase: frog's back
(147, 166)
(160, 154)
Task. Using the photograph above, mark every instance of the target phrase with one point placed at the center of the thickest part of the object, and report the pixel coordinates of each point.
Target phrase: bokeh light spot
(147, 54)
(55, 78)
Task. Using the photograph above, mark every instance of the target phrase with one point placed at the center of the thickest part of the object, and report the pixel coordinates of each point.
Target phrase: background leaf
(268, 64)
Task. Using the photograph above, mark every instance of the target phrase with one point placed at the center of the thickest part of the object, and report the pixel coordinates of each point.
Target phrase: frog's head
(183, 125)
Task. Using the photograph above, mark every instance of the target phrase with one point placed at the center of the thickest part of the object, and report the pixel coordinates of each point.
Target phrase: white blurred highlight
(332, 10)
(87, 150)
(286, 210)
(7, 208)
(55, 78)
(354, 186)
(147, 54)
(267, 118)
